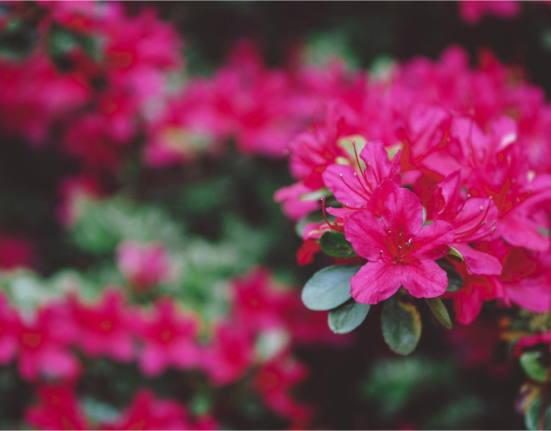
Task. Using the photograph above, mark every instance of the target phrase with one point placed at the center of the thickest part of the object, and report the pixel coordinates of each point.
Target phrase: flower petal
(375, 282)
(403, 212)
(433, 241)
(367, 235)
(424, 279)
(479, 262)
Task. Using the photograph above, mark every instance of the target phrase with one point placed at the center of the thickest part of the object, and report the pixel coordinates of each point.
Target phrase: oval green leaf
(532, 417)
(440, 312)
(531, 365)
(401, 325)
(347, 317)
(329, 288)
(455, 281)
(334, 244)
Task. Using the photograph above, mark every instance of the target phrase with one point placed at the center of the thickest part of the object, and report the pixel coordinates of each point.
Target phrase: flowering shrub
(147, 273)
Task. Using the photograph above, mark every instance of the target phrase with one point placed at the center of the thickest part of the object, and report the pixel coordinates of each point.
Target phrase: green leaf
(401, 324)
(531, 365)
(455, 281)
(440, 312)
(329, 287)
(532, 417)
(455, 255)
(62, 40)
(347, 317)
(334, 244)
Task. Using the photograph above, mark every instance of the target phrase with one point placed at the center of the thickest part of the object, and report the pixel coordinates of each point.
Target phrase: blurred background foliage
(218, 219)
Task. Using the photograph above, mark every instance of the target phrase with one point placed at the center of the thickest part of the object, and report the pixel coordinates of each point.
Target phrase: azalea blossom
(145, 266)
(168, 339)
(400, 251)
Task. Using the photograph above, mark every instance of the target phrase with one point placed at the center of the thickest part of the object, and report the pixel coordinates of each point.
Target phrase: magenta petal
(433, 241)
(468, 224)
(479, 262)
(375, 282)
(519, 230)
(532, 295)
(379, 196)
(347, 186)
(467, 305)
(379, 167)
(424, 279)
(340, 212)
(403, 212)
(152, 361)
(367, 235)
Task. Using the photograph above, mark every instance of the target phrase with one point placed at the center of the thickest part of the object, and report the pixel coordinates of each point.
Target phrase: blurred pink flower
(145, 266)
(473, 10)
(104, 329)
(57, 408)
(44, 345)
(275, 380)
(229, 354)
(168, 339)
(146, 412)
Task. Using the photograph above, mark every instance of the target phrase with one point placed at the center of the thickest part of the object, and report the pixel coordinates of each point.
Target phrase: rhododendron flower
(400, 251)
(168, 339)
(230, 353)
(275, 380)
(258, 303)
(472, 10)
(467, 301)
(144, 266)
(526, 276)
(58, 408)
(295, 205)
(44, 345)
(104, 328)
(149, 413)
(472, 218)
(354, 185)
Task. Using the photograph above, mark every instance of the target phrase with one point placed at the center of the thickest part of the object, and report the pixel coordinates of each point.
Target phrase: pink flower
(10, 325)
(258, 302)
(44, 345)
(472, 10)
(149, 413)
(144, 266)
(230, 353)
(294, 202)
(400, 251)
(476, 289)
(353, 185)
(58, 408)
(472, 218)
(168, 338)
(104, 328)
(275, 380)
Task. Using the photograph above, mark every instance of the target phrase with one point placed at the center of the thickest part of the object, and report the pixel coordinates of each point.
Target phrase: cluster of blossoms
(59, 408)
(102, 86)
(473, 11)
(436, 169)
(253, 343)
